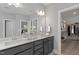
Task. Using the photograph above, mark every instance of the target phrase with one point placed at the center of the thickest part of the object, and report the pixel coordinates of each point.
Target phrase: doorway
(69, 20)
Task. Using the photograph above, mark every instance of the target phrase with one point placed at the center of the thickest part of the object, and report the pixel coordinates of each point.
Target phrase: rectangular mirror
(11, 28)
(34, 26)
(25, 27)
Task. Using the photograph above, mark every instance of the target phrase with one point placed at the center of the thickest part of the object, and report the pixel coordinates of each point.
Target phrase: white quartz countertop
(4, 44)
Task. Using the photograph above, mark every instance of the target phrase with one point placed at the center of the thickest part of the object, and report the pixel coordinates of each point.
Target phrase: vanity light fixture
(14, 4)
(41, 13)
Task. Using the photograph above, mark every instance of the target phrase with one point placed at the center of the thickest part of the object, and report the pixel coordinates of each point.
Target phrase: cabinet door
(46, 48)
(50, 44)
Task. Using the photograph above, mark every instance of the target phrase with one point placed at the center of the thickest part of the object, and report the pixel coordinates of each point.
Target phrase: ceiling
(70, 14)
(25, 9)
(32, 8)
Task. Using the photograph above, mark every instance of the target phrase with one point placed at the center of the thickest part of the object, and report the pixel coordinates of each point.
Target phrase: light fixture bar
(14, 4)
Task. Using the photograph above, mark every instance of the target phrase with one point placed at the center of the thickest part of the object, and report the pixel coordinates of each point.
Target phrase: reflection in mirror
(10, 28)
(34, 26)
(24, 28)
(31, 20)
(48, 30)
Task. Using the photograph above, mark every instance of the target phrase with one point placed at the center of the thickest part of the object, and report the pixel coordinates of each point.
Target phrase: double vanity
(25, 37)
(25, 31)
(24, 46)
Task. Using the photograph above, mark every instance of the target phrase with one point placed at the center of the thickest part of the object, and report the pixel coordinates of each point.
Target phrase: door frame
(59, 21)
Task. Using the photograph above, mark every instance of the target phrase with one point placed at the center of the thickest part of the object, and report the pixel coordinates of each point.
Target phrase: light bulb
(41, 13)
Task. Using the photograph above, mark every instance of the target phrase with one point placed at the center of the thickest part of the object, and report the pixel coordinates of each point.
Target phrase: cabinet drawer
(38, 42)
(27, 52)
(15, 50)
(38, 52)
(10, 51)
(25, 46)
(46, 48)
(38, 47)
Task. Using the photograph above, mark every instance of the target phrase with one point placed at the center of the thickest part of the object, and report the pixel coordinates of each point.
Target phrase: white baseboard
(56, 52)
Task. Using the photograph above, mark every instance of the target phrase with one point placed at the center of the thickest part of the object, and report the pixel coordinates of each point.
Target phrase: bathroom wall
(13, 17)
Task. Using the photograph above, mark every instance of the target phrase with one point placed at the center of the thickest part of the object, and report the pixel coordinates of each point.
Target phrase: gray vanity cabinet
(48, 45)
(46, 48)
(39, 47)
(51, 44)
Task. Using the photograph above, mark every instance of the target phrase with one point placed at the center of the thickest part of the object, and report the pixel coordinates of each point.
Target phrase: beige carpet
(70, 47)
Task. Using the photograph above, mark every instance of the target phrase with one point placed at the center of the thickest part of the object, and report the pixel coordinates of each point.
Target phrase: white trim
(69, 8)
(59, 22)
(20, 28)
(59, 31)
(56, 52)
(3, 28)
